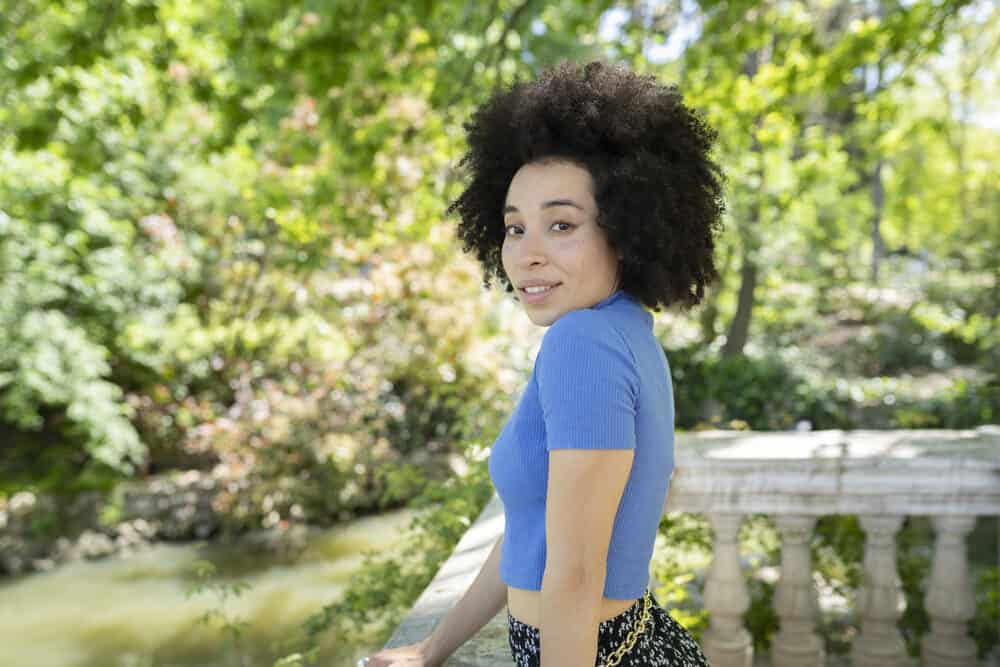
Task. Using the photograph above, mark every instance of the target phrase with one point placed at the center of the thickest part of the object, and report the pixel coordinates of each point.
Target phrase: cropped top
(600, 381)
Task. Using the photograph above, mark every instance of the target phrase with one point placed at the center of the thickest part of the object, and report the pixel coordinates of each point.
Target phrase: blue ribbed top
(600, 381)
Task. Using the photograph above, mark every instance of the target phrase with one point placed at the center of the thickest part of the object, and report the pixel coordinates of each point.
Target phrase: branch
(467, 77)
(484, 51)
(502, 41)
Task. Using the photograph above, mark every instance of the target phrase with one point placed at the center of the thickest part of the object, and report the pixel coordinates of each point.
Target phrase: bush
(761, 393)
(767, 394)
(891, 345)
(55, 370)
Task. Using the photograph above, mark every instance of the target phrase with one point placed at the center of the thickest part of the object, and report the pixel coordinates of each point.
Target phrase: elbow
(576, 577)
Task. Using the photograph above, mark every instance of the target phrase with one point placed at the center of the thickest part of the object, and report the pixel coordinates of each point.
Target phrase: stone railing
(880, 476)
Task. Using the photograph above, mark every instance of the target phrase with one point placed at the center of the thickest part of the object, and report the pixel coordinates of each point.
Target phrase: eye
(571, 226)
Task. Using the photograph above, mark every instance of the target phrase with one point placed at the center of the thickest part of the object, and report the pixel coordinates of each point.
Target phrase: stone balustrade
(952, 477)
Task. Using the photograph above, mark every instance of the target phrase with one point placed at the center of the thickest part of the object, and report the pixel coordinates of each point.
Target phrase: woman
(593, 198)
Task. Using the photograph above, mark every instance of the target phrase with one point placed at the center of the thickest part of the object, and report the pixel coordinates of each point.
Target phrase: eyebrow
(549, 204)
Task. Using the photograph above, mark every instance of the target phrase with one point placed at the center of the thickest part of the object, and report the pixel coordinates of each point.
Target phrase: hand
(411, 655)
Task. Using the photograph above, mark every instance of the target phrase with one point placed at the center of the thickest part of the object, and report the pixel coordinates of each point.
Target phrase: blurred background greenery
(222, 250)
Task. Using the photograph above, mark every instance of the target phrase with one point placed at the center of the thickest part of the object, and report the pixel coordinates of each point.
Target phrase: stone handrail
(881, 476)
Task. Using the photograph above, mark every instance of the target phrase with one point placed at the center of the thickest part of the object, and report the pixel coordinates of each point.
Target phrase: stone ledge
(487, 648)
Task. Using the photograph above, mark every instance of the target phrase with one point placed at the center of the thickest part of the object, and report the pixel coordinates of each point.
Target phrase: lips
(540, 296)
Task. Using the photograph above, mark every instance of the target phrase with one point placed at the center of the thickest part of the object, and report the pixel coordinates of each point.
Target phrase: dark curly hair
(658, 193)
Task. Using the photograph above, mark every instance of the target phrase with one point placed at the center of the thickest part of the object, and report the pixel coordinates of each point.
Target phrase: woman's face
(552, 236)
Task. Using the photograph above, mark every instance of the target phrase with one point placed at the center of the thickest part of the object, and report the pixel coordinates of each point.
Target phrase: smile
(539, 296)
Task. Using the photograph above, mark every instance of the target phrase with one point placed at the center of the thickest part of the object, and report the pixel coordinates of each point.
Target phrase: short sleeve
(587, 384)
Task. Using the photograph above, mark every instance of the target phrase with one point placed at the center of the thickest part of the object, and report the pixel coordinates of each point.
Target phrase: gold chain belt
(633, 634)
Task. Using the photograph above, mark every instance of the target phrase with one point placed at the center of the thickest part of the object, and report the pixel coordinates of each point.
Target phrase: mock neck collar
(606, 301)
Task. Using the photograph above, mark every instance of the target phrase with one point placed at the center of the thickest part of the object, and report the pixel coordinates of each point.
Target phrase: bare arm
(482, 601)
(584, 493)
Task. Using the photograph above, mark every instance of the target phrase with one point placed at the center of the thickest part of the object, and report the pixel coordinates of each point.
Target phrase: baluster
(950, 600)
(795, 599)
(726, 642)
(880, 598)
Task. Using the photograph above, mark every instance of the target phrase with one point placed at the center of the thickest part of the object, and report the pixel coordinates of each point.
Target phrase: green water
(133, 612)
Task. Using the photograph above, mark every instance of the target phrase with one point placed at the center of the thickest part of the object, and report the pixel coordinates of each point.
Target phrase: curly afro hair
(658, 193)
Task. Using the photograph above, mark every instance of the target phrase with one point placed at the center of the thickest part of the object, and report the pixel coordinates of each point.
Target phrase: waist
(523, 605)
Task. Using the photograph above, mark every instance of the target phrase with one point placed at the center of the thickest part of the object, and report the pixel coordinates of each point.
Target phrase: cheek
(505, 255)
(572, 246)
(578, 251)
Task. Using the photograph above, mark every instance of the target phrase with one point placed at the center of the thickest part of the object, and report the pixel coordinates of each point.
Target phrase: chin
(543, 320)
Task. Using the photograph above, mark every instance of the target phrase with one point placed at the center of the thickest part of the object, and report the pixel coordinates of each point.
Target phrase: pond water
(133, 611)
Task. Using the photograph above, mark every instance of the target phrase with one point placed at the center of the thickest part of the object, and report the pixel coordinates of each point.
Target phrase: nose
(530, 250)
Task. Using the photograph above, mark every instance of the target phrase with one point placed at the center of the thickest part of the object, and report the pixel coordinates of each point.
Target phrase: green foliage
(232, 626)
(768, 393)
(174, 213)
(112, 510)
(987, 617)
(761, 619)
(49, 361)
(755, 389)
(895, 344)
(837, 551)
(763, 394)
(966, 404)
(385, 588)
(914, 565)
(683, 540)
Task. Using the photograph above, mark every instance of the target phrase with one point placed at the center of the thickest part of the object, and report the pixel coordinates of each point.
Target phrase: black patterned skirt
(665, 643)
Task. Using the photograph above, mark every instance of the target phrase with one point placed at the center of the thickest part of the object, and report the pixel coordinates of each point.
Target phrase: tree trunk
(739, 328)
(878, 203)
(710, 311)
(878, 189)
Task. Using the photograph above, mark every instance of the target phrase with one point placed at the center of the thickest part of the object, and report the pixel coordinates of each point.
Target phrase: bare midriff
(523, 605)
